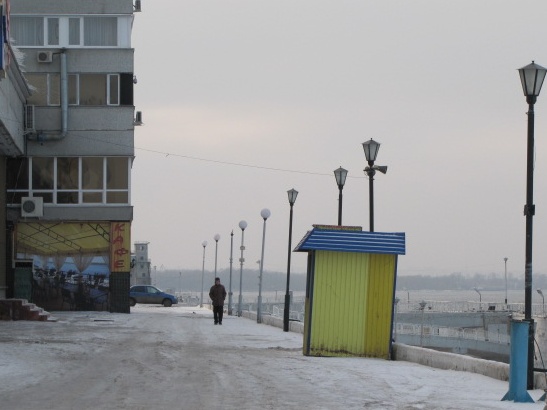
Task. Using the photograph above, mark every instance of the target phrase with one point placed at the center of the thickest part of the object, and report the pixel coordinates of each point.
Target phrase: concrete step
(21, 309)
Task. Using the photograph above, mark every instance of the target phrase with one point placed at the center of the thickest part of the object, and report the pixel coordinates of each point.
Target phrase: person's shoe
(219, 323)
(216, 323)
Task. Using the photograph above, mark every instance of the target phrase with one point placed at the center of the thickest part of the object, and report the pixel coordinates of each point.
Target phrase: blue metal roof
(353, 241)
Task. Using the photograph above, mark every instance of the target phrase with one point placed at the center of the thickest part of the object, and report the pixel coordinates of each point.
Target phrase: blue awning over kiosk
(352, 240)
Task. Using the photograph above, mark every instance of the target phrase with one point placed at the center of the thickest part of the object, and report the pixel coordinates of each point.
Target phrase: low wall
(426, 357)
(453, 361)
(297, 327)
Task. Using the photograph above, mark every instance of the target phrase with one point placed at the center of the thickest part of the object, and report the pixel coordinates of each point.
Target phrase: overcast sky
(244, 100)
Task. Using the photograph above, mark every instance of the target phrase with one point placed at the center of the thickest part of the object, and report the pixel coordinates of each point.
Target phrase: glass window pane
(48, 197)
(42, 173)
(92, 197)
(27, 31)
(117, 173)
(38, 86)
(73, 89)
(92, 173)
(117, 198)
(67, 197)
(92, 89)
(53, 31)
(67, 173)
(16, 197)
(114, 81)
(100, 31)
(54, 89)
(74, 31)
(17, 173)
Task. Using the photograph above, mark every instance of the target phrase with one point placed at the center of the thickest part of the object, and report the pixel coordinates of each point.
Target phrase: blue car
(150, 294)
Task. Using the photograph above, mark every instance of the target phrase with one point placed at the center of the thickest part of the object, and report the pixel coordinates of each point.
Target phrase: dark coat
(217, 295)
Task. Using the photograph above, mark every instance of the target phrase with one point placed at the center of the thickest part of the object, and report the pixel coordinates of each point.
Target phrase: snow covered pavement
(175, 358)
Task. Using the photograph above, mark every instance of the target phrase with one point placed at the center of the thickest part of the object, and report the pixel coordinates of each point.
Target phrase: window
(70, 180)
(73, 89)
(92, 89)
(17, 179)
(46, 89)
(71, 31)
(42, 173)
(113, 89)
(38, 84)
(74, 31)
(52, 31)
(100, 31)
(27, 31)
(83, 89)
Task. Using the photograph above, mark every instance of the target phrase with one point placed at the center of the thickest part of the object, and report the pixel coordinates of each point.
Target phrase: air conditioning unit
(29, 118)
(137, 5)
(44, 56)
(32, 206)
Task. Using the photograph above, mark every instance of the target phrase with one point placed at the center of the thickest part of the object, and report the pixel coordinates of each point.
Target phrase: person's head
(217, 281)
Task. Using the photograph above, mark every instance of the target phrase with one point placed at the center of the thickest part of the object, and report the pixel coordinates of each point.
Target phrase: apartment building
(68, 193)
(141, 265)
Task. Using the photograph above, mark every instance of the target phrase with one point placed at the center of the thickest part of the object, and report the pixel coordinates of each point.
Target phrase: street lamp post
(480, 298)
(231, 262)
(340, 174)
(265, 214)
(531, 77)
(292, 194)
(423, 305)
(505, 260)
(543, 301)
(204, 244)
(242, 226)
(216, 237)
(371, 149)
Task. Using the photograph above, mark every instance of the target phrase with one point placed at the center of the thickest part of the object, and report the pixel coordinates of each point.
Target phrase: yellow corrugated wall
(351, 304)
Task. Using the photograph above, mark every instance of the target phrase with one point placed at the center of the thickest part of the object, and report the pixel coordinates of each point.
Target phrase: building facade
(68, 192)
(140, 265)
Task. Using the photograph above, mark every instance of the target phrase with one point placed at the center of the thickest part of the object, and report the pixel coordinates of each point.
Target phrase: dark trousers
(217, 313)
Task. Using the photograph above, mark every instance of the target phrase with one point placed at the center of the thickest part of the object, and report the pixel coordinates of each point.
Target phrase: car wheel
(132, 302)
(167, 303)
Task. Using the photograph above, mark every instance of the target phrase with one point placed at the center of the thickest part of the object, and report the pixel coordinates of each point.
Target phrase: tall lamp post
(217, 238)
(292, 194)
(265, 214)
(204, 244)
(480, 298)
(371, 149)
(505, 260)
(531, 77)
(242, 226)
(543, 301)
(231, 262)
(340, 174)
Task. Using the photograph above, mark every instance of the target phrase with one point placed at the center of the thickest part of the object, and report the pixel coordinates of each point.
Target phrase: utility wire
(237, 164)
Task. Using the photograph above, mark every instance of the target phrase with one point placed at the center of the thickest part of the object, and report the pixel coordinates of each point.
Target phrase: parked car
(150, 294)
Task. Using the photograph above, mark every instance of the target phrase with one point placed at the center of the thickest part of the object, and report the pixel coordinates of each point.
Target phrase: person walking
(217, 295)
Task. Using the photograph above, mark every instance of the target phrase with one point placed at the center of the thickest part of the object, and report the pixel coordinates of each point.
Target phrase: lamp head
(340, 174)
(380, 168)
(204, 244)
(292, 194)
(371, 149)
(217, 237)
(540, 292)
(242, 225)
(265, 213)
(531, 77)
